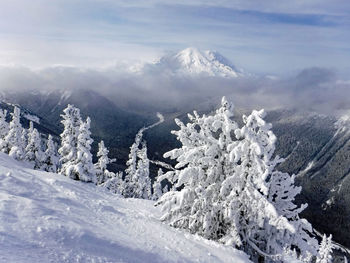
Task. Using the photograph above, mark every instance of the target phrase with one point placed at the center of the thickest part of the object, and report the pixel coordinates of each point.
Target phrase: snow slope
(49, 218)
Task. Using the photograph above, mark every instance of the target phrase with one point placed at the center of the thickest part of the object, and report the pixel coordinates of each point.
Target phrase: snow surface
(46, 217)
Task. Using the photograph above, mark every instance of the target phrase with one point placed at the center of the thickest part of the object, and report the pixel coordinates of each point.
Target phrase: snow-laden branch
(163, 164)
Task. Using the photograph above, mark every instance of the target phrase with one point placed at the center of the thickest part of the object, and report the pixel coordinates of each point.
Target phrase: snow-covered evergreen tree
(203, 164)
(69, 140)
(26, 133)
(224, 176)
(138, 183)
(142, 179)
(13, 144)
(273, 219)
(131, 164)
(83, 168)
(325, 250)
(114, 182)
(33, 151)
(51, 159)
(101, 165)
(157, 186)
(138, 166)
(4, 129)
(4, 126)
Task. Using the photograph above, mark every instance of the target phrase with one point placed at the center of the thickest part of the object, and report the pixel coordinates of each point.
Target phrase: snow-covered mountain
(194, 62)
(46, 217)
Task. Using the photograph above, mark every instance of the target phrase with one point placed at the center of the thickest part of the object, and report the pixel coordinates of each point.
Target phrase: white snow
(32, 118)
(343, 124)
(46, 217)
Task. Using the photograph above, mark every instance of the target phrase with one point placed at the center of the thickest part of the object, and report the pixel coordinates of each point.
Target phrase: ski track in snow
(47, 217)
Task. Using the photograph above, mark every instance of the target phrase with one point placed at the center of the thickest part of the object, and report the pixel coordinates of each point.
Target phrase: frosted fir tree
(26, 133)
(273, 221)
(102, 173)
(4, 129)
(157, 186)
(51, 159)
(114, 182)
(138, 183)
(224, 177)
(203, 165)
(69, 140)
(130, 185)
(13, 141)
(282, 194)
(131, 164)
(133, 171)
(4, 126)
(83, 169)
(142, 180)
(325, 250)
(33, 152)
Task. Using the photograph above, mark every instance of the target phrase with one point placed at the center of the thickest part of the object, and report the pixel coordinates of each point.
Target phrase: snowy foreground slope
(47, 217)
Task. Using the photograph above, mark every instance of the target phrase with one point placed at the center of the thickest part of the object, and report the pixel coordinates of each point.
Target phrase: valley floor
(47, 217)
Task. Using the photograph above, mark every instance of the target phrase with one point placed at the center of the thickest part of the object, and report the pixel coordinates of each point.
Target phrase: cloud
(316, 89)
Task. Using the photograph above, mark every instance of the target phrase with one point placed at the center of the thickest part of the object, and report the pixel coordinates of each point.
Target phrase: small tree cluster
(75, 150)
(26, 144)
(137, 181)
(109, 180)
(74, 158)
(226, 187)
(102, 173)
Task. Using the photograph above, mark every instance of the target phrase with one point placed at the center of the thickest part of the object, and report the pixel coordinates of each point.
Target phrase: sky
(267, 37)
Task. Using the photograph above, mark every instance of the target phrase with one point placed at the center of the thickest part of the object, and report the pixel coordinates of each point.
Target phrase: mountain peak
(192, 61)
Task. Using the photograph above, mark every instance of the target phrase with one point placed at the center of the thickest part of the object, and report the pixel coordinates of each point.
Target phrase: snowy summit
(193, 62)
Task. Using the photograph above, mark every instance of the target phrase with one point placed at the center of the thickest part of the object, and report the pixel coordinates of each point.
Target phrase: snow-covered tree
(325, 250)
(273, 220)
(4, 126)
(51, 159)
(101, 165)
(131, 164)
(4, 129)
(143, 182)
(69, 140)
(83, 168)
(203, 164)
(13, 144)
(222, 186)
(114, 182)
(138, 166)
(33, 151)
(138, 183)
(157, 186)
